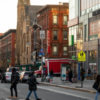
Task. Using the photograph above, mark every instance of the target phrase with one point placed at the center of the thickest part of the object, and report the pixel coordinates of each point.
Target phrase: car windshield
(10, 70)
(27, 73)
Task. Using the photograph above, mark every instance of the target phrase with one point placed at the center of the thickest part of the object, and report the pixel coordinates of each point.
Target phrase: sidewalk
(87, 84)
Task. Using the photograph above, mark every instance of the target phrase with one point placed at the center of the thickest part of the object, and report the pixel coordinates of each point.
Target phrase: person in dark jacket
(82, 74)
(70, 75)
(14, 82)
(32, 86)
(51, 74)
(98, 82)
(89, 72)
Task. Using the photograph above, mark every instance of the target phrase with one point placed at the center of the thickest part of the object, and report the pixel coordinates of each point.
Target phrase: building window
(64, 20)
(55, 50)
(55, 19)
(27, 60)
(65, 50)
(85, 32)
(64, 35)
(55, 34)
(27, 50)
(47, 20)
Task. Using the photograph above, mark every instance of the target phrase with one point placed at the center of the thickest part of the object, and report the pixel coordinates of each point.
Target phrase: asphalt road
(45, 93)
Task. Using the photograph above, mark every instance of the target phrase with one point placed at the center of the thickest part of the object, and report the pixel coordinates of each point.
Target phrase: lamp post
(35, 26)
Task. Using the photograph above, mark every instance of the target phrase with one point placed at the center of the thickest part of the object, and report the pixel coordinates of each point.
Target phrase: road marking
(17, 99)
(61, 92)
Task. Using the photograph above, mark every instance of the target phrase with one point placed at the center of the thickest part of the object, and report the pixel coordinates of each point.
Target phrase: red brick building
(53, 19)
(7, 48)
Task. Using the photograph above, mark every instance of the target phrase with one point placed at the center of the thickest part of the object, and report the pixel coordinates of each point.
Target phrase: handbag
(29, 82)
(98, 89)
(95, 85)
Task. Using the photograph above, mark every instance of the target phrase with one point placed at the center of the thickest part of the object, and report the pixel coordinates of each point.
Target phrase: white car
(8, 76)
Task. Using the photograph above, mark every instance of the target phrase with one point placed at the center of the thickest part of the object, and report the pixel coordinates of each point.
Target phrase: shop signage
(48, 41)
(81, 56)
(92, 64)
(71, 40)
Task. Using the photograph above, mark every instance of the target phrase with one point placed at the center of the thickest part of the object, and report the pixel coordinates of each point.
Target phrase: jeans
(34, 94)
(96, 95)
(15, 88)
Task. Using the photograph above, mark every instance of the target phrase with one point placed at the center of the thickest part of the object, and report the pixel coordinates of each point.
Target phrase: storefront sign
(92, 64)
(48, 41)
(71, 40)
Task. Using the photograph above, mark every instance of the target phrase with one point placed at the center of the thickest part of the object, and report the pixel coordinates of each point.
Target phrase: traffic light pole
(42, 80)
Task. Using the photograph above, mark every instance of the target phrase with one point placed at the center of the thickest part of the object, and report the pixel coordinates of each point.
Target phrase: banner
(48, 41)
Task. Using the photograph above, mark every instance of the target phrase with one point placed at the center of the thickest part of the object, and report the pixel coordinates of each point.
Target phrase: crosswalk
(15, 99)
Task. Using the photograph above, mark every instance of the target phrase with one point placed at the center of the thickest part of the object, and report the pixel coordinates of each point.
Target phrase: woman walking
(98, 82)
(32, 86)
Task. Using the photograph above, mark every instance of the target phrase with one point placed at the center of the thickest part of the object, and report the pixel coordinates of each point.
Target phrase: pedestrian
(51, 74)
(32, 86)
(70, 75)
(75, 77)
(14, 82)
(89, 72)
(98, 82)
(82, 74)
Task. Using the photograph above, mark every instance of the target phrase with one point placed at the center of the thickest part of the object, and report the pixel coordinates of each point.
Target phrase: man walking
(14, 82)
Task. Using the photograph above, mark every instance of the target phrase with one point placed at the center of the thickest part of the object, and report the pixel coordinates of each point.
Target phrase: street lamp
(35, 26)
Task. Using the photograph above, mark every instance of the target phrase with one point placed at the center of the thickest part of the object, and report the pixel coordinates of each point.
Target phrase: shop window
(55, 19)
(65, 50)
(55, 34)
(64, 35)
(55, 48)
(64, 20)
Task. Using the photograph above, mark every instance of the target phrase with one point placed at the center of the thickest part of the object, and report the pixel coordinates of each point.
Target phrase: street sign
(41, 50)
(42, 34)
(81, 56)
(40, 54)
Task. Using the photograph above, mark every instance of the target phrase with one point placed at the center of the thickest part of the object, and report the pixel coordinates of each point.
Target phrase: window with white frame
(64, 35)
(64, 50)
(55, 52)
(55, 19)
(65, 20)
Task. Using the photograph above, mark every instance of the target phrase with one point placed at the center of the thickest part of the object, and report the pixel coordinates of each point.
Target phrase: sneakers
(10, 96)
(15, 97)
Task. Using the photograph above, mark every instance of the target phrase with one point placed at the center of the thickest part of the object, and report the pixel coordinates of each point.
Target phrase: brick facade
(45, 19)
(7, 48)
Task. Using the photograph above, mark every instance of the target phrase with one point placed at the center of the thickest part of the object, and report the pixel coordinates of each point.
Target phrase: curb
(66, 87)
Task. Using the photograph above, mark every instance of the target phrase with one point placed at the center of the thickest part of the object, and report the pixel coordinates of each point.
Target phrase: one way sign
(81, 56)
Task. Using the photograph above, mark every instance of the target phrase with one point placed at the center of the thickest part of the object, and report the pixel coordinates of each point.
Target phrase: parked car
(6, 77)
(24, 76)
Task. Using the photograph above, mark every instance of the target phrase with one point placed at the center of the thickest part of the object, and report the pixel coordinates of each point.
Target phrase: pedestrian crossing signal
(81, 56)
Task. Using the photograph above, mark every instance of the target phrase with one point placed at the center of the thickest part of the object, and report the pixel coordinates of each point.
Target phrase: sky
(8, 12)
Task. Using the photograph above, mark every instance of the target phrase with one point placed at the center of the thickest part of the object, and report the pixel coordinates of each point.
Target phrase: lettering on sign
(48, 41)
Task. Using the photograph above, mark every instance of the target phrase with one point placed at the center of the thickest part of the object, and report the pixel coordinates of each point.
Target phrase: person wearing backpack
(14, 82)
(98, 90)
(32, 82)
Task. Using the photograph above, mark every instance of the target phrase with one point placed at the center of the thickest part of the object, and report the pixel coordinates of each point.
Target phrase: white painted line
(61, 92)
